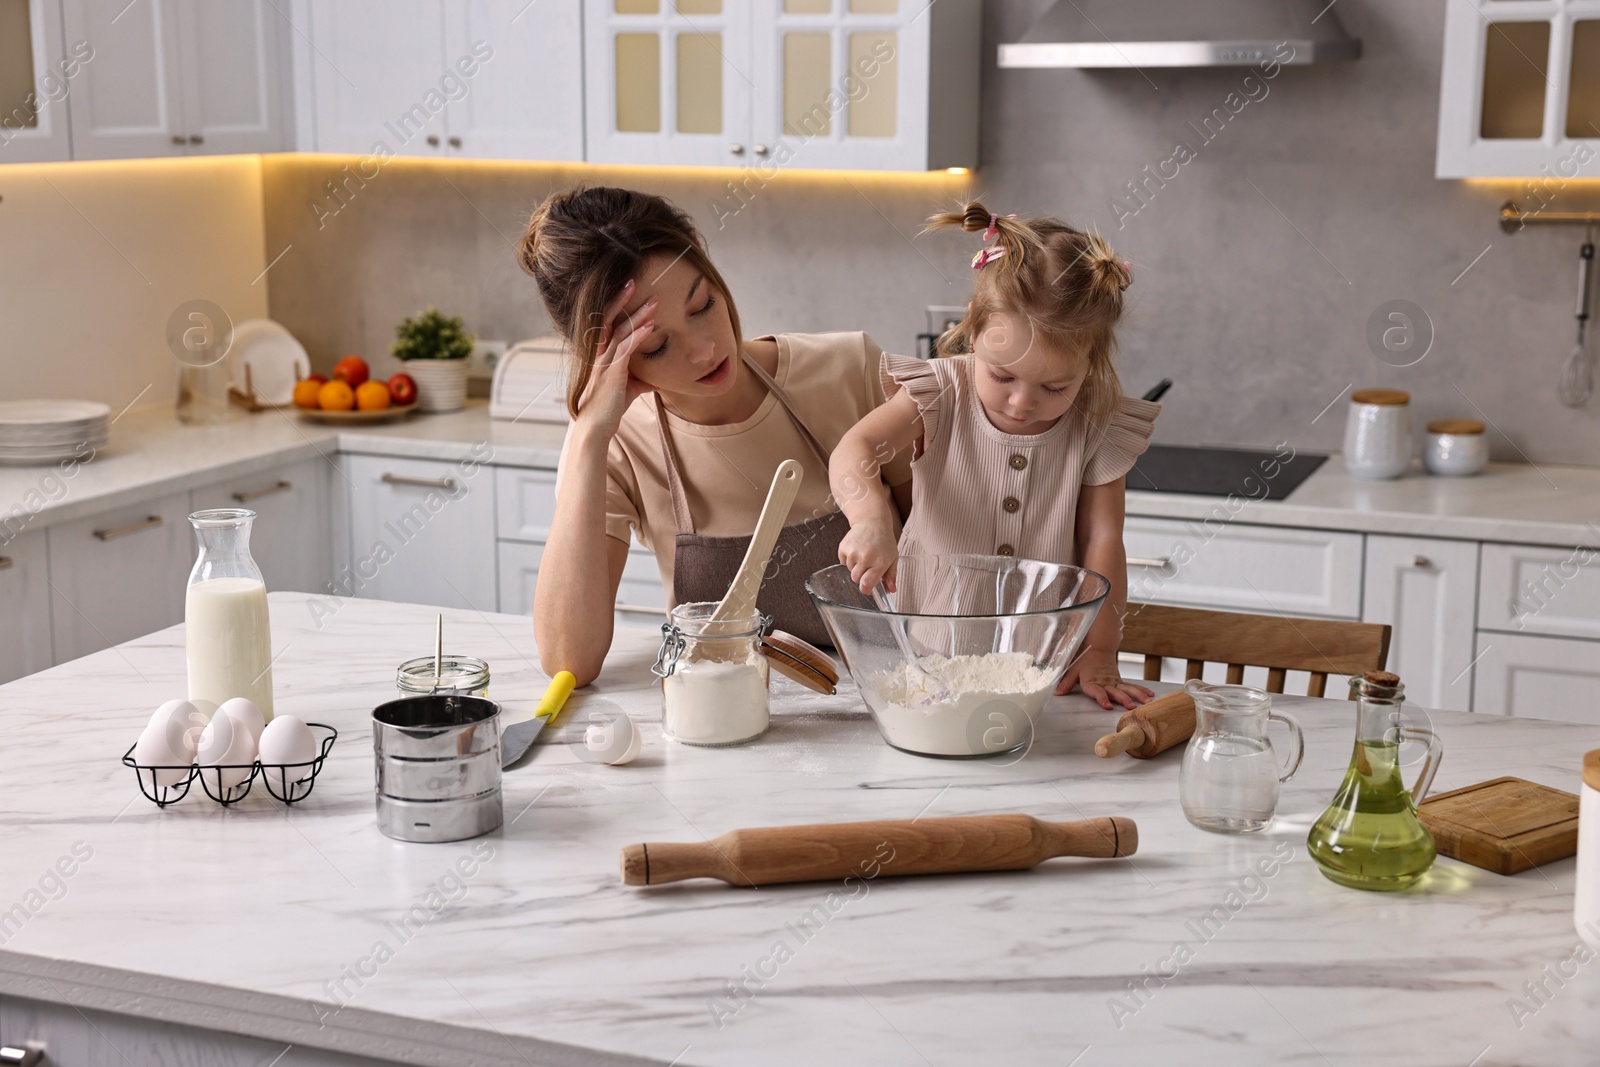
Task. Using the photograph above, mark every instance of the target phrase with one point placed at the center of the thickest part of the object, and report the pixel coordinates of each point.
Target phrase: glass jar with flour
(713, 676)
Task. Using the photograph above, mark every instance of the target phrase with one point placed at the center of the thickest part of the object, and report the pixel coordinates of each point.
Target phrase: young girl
(1021, 446)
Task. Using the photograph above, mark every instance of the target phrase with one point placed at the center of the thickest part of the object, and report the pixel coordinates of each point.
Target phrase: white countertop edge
(356, 443)
(269, 1017)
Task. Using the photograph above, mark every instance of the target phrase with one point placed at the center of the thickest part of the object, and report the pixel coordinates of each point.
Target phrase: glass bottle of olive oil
(1370, 837)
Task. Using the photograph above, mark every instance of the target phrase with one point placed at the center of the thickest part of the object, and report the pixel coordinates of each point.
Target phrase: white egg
(244, 710)
(154, 749)
(226, 743)
(288, 740)
(615, 742)
(179, 723)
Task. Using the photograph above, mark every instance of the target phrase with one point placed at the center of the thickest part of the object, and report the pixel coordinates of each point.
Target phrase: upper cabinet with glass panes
(810, 84)
(35, 72)
(1520, 90)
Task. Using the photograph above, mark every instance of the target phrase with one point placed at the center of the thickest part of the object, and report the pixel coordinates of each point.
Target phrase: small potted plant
(435, 350)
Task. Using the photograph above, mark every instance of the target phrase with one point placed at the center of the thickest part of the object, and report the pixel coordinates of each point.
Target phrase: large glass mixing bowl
(962, 657)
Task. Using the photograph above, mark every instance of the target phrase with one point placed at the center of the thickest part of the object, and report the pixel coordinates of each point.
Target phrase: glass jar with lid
(713, 676)
(458, 675)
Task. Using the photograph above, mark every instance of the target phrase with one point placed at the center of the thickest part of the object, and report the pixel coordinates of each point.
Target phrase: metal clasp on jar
(674, 640)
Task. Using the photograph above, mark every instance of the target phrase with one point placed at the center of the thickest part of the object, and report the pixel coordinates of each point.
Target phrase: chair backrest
(1277, 642)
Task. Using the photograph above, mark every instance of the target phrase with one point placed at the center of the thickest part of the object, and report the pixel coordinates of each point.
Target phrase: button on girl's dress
(1018, 462)
(1011, 504)
(1005, 550)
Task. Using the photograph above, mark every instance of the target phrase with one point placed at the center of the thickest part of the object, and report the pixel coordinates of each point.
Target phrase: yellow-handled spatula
(516, 739)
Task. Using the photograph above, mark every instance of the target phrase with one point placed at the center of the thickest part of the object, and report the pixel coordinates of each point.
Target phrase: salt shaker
(1586, 900)
(1377, 433)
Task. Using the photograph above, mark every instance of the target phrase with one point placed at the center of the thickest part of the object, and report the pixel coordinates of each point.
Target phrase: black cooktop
(1222, 471)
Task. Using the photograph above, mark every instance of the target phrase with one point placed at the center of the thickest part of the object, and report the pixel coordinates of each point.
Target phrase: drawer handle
(641, 609)
(6, 563)
(133, 527)
(257, 494)
(30, 1056)
(1421, 561)
(1157, 562)
(447, 484)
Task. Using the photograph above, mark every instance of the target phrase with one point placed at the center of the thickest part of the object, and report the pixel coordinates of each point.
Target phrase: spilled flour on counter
(979, 712)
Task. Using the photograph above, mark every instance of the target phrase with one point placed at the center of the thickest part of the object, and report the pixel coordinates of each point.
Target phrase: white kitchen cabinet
(177, 77)
(291, 537)
(84, 1037)
(1519, 89)
(641, 601)
(525, 502)
(421, 531)
(119, 574)
(1538, 677)
(36, 73)
(492, 79)
(808, 84)
(1425, 588)
(1271, 570)
(24, 605)
(1539, 590)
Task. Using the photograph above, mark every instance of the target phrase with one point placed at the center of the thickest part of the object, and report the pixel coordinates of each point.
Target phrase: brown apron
(704, 567)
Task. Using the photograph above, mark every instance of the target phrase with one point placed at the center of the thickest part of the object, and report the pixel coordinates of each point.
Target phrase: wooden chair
(1277, 642)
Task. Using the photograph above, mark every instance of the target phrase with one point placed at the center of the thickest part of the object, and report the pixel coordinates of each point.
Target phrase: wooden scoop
(865, 850)
(1150, 728)
(740, 600)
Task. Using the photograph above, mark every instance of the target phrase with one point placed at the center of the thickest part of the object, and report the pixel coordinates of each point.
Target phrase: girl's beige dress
(976, 489)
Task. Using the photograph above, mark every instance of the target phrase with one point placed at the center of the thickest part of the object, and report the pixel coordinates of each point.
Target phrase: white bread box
(529, 383)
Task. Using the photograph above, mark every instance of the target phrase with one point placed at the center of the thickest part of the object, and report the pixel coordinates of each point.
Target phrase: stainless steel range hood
(1182, 33)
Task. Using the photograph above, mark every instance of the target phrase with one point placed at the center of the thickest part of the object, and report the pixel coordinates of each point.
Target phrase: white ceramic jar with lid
(1456, 447)
(1586, 901)
(1377, 433)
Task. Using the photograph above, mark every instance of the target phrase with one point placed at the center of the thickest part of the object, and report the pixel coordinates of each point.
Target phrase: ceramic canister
(1377, 433)
(1586, 902)
(1456, 446)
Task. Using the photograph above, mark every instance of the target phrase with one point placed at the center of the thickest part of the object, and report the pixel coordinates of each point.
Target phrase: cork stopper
(1380, 684)
(1382, 397)
(1459, 427)
(1591, 769)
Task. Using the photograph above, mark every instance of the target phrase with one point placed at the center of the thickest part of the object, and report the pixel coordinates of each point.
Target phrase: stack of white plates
(43, 431)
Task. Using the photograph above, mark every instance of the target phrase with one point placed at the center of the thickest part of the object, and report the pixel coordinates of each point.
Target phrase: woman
(625, 277)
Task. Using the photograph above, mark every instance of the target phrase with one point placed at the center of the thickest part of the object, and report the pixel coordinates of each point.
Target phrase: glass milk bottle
(225, 615)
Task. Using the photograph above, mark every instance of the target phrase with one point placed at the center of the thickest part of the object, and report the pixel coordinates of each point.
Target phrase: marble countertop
(151, 453)
(284, 924)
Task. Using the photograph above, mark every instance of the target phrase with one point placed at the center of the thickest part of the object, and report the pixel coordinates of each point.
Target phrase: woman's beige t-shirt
(833, 381)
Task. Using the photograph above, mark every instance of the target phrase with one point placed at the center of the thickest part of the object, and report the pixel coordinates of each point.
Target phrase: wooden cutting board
(1505, 825)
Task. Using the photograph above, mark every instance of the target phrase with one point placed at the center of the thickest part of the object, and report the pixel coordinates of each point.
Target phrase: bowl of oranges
(353, 395)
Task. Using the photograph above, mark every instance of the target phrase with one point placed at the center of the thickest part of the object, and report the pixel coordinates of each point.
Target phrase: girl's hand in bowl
(1096, 673)
(870, 551)
(612, 388)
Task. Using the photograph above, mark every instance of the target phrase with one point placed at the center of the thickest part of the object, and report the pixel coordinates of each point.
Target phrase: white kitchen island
(267, 923)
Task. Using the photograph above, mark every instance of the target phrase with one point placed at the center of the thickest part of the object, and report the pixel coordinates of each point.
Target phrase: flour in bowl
(960, 705)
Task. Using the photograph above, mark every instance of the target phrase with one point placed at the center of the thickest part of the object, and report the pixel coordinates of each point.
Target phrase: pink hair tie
(994, 227)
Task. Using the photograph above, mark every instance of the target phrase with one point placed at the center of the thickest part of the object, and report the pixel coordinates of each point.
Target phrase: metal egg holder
(287, 790)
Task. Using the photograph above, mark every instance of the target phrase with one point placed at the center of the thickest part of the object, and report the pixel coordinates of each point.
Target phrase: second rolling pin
(826, 851)
(1151, 728)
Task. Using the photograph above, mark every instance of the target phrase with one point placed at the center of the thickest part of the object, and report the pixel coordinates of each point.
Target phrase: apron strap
(680, 499)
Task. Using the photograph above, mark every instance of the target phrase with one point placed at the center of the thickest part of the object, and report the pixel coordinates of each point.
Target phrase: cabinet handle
(195, 138)
(762, 149)
(1159, 563)
(433, 139)
(455, 142)
(133, 527)
(1421, 561)
(31, 1056)
(6, 563)
(179, 138)
(257, 494)
(447, 484)
(641, 609)
(736, 149)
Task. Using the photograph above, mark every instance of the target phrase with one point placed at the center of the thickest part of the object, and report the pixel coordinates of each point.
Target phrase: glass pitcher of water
(1229, 780)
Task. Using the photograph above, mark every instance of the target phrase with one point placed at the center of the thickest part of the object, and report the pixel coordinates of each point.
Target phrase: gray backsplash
(1257, 267)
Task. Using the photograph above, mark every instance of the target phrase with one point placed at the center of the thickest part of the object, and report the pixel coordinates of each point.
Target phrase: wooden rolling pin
(1150, 728)
(826, 851)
